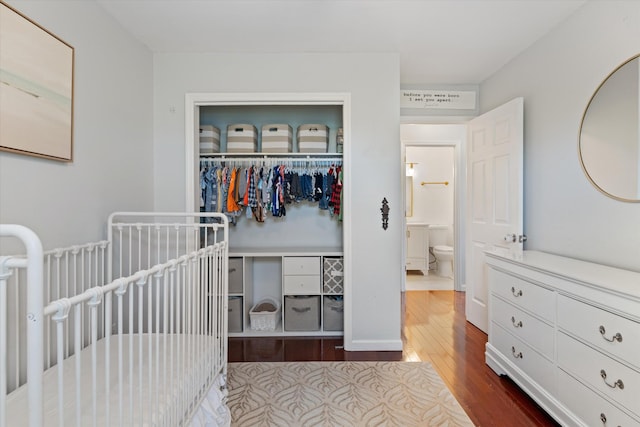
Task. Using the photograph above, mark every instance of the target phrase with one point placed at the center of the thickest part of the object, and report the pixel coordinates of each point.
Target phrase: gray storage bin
(302, 313)
(333, 277)
(234, 321)
(235, 275)
(333, 313)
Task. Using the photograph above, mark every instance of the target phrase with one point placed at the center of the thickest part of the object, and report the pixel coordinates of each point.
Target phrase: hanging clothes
(232, 204)
(259, 191)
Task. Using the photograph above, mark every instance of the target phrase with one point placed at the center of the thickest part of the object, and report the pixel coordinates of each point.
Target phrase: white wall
(112, 169)
(432, 203)
(373, 81)
(564, 214)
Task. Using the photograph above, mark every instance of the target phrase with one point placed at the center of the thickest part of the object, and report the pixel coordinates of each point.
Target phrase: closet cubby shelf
(282, 252)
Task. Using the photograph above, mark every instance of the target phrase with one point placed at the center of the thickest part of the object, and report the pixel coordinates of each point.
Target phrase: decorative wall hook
(385, 213)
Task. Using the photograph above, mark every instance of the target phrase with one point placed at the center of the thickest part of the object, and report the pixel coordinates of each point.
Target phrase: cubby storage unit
(568, 333)
(294, 278)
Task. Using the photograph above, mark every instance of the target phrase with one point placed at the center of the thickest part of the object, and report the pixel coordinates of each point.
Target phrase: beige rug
(340, 394)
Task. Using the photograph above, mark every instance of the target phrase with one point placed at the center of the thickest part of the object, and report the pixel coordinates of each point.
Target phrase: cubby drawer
(300, 265)
(533, 364)
(301, 285)
(529, 329)
(609, 377)
(592, 409)
(600, 328)
(235, 275)
(522, 293)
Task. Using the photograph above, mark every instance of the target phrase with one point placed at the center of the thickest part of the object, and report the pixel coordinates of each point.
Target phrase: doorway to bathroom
(434, 239)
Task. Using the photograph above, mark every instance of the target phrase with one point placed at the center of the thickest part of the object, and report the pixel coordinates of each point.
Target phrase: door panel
(494, 197)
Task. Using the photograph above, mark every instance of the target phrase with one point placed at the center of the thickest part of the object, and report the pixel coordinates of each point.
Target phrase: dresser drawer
(599, 327)
(527, 295)
(301, 285)
(621, 383)
(592, 409)
(533, 331)
(305, 265)
(538, 368)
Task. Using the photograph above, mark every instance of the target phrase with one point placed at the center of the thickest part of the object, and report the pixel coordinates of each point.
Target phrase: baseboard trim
(374, 345)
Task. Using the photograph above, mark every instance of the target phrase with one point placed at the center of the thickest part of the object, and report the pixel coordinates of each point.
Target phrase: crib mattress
(153, 385)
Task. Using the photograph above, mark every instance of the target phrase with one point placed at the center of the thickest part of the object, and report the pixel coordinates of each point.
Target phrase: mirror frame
(584, 114)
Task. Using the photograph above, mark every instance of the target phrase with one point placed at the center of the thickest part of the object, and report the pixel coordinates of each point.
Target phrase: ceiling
(438, 41)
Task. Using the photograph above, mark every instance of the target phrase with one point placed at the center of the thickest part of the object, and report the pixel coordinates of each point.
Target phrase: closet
(286, 272)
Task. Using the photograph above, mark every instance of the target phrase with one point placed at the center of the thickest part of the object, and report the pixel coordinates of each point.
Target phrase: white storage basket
(277, 138)
(265, 320)
(209, 139)
(242, 138)
(313, 138)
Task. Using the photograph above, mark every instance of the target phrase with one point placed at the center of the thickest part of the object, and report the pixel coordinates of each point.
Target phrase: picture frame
(36, 89)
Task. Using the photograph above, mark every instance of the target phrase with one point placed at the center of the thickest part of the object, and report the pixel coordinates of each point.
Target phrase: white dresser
(568, 333)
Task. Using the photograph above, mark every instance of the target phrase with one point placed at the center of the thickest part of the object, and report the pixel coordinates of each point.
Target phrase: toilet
(440, 237)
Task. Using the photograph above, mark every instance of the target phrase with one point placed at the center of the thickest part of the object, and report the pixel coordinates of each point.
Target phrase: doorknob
(522, 238)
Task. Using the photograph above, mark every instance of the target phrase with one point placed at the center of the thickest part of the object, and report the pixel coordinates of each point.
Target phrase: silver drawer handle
(616, 337)
(516, 325)
(516, 294)
(618, 383)
(603, 418)
(516, 355)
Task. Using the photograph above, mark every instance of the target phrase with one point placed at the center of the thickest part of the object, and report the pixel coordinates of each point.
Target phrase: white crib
(127, 331)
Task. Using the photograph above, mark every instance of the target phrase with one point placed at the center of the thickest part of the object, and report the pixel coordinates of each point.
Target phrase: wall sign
(438, 99)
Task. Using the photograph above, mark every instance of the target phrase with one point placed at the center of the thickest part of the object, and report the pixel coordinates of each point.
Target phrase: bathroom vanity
(417, 247)
(568, 333)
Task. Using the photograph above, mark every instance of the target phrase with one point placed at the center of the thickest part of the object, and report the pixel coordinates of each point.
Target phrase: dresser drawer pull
(618, 382)
(603, 418)
(516, 324)
(516, 294)
(516, 355)
(616, 337)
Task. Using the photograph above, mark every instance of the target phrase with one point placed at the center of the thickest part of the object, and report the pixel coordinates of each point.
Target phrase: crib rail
(65, 272)
(155, 337)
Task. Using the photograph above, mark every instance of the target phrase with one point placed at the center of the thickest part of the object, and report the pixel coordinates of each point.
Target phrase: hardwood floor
(434, 330)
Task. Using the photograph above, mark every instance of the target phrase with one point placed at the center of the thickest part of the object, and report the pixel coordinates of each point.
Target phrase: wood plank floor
(434, 330)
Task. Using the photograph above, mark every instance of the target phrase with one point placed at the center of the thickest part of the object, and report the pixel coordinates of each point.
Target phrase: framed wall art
(36, 89)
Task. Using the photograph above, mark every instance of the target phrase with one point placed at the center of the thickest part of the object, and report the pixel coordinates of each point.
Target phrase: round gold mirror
(609, 139)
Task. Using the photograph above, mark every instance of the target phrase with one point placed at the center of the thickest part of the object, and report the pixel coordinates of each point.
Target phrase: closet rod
(271, 159)
(295, 156)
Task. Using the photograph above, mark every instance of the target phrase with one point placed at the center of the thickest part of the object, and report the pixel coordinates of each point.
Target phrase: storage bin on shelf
(333, 313)
(264, 315)
(333, 275)
(242, 138)
(235, 276)
(313, 138)
(277, 138)
(209, 139)
(302, 313)
(235, 314)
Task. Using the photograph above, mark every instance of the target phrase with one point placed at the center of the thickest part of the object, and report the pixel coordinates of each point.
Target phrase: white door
(494, 198)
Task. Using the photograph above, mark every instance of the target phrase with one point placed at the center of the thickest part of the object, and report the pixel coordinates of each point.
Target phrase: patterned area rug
(340, 394)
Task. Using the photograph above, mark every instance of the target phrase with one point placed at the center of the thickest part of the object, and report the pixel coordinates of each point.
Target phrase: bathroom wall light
(409, 170)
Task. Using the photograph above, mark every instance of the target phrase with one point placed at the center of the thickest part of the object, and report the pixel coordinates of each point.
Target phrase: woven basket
(265, 320)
